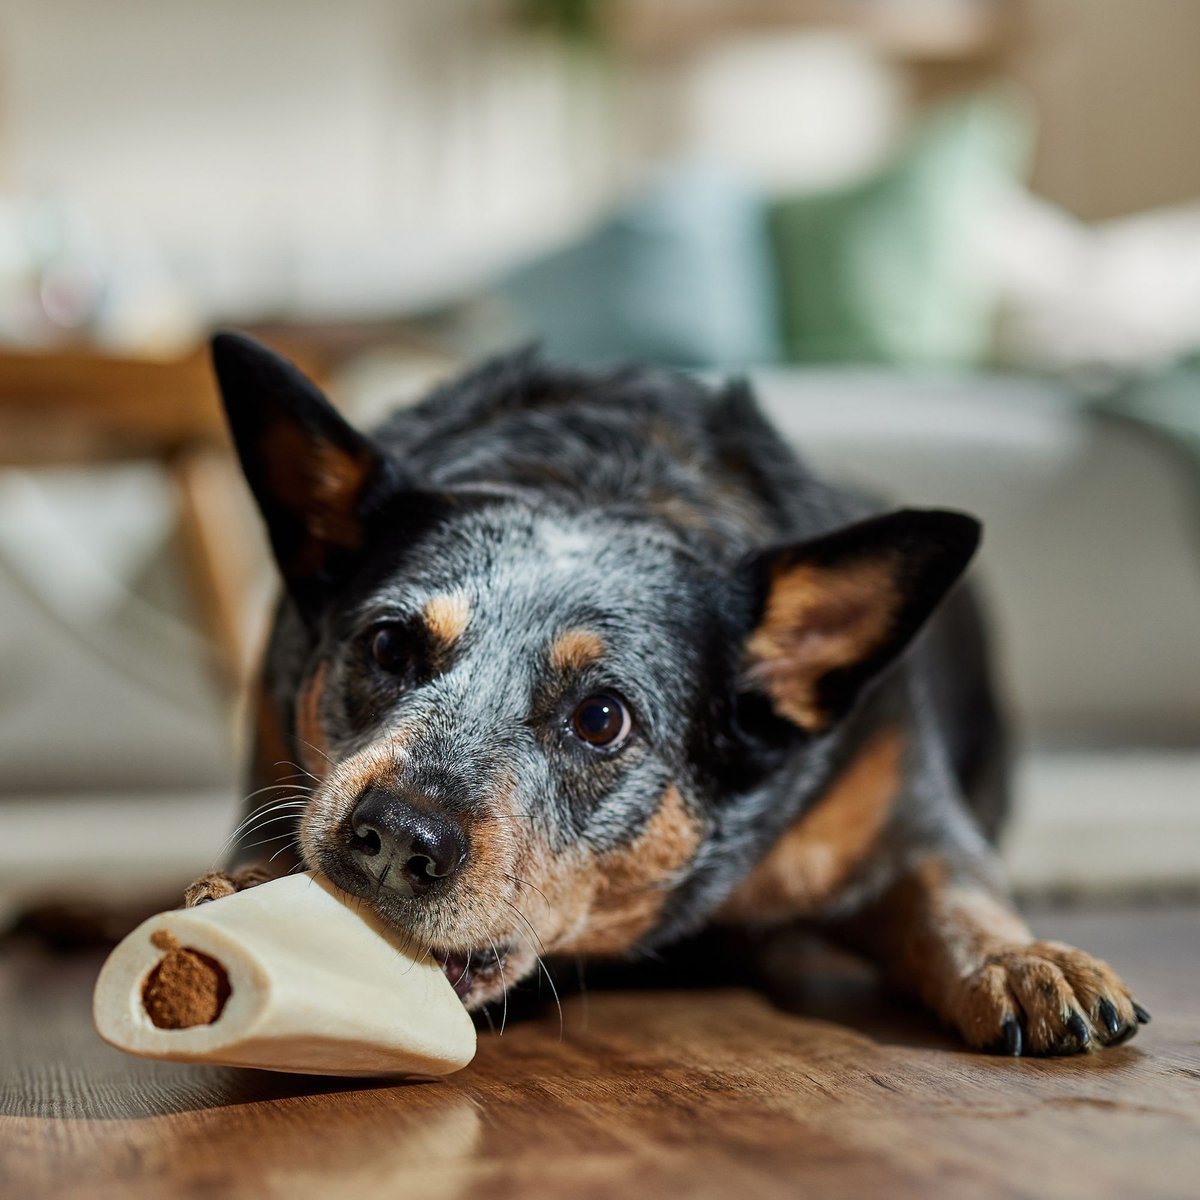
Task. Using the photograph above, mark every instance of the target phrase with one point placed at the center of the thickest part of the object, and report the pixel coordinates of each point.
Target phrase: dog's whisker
(290, 815)
(503, 984)
(287, 762)
(290, 844)
(316, 750)
(280, 802)
(289, 808)
(554, 991)
(541, 946)
(541, 962)
(383, 876)
(240, 843)
(525, 883)
(544, 969)
(288, 782)
(271, 806)
(267, 841)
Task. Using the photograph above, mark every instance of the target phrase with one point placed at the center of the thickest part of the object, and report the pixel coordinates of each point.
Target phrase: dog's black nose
(401, 846)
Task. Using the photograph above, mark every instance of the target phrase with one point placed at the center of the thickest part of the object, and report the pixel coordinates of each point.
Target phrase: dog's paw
(216, 884)
(208, 887)
(1044, 998)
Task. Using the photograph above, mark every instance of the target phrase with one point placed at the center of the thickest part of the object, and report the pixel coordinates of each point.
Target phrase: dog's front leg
(946, 930)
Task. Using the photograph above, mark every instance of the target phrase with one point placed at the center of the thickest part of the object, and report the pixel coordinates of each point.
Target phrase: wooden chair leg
(220, 547)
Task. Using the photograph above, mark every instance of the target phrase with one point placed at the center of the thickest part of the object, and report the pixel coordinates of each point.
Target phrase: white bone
(315, 986)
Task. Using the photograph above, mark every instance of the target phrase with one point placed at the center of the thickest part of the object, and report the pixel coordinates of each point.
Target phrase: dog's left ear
(311, 473)
(833, 612)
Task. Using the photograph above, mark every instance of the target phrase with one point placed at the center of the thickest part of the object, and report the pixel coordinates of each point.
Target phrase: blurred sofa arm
(1091, 556)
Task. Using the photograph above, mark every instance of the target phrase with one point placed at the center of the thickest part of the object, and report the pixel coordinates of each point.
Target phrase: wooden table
(697, 1092)
(80, 403)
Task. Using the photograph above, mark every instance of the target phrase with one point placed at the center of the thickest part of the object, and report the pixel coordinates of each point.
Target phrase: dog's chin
(482, 975)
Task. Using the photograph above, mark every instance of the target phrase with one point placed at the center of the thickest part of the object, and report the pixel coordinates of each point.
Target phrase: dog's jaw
(482, 976)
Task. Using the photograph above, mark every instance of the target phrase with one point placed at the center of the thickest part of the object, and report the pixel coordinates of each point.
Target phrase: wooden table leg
(222, 547)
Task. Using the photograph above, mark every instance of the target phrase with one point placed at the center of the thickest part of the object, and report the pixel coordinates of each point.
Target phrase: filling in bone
(187, 988)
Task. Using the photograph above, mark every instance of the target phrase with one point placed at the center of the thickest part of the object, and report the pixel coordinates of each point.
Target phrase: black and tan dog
(582, 662)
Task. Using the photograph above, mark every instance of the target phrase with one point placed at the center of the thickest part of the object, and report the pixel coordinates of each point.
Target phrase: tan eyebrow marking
(575, 649)
(446, 617)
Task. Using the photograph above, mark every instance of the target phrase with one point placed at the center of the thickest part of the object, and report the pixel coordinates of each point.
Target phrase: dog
(579, 663)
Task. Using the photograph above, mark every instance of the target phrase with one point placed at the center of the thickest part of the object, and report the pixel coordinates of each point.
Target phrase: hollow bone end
(186, 988)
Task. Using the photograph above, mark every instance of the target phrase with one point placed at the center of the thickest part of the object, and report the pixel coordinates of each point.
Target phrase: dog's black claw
(1126, 1033)
(1078, 1027)
(1014, 1039)
(1107, 1012)
(1143, 1017)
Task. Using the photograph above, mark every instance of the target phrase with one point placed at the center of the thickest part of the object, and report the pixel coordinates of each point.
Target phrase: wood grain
(810, 1084)
(81, 404)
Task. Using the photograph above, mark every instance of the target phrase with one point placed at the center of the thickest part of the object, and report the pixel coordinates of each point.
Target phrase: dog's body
(579, 663)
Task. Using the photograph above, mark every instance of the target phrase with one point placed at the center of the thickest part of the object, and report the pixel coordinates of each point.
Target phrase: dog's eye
(602, 721)
(391, 648)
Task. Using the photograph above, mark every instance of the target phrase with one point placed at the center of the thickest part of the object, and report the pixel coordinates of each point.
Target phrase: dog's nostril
(368, 842)
(422, 866)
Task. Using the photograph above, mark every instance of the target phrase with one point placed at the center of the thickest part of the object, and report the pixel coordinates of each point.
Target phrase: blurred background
(955, 243)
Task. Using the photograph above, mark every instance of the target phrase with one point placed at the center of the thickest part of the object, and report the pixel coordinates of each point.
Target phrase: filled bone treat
(288, 976)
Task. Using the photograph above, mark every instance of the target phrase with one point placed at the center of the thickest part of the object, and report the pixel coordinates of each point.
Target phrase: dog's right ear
(312, 474)
(833, 611)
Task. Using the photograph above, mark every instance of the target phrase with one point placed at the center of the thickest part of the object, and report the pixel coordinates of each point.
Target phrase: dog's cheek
(604, 903)
(490, 892)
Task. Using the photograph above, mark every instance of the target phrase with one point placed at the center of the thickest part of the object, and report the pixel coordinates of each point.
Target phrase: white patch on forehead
(565, 546)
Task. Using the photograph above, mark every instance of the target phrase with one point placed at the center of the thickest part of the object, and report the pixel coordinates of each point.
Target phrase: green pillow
(887, 271)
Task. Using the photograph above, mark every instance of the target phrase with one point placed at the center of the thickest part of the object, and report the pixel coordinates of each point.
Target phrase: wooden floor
(825, 1089)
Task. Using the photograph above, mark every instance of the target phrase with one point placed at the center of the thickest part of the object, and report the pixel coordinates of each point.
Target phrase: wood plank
(814, 1086)
(79, 403)
(140, 405)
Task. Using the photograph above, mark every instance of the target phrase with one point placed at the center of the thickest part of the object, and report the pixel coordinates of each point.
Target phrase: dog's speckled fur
(533, 535)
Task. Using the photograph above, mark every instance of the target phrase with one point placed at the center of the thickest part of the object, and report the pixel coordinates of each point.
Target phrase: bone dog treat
(288, 976)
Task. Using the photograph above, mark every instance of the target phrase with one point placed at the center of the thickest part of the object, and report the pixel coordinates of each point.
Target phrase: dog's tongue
(458, 970)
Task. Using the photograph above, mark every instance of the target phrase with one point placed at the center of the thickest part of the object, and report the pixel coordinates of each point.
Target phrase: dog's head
(527, 716)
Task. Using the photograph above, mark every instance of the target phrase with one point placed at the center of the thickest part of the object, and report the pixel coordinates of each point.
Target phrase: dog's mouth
(473, 972)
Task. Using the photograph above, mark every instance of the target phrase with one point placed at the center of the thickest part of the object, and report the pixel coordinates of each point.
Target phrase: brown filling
(186, 988)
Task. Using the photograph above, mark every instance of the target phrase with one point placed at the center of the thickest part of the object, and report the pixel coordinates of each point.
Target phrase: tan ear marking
(324, 483)
(817, 620)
